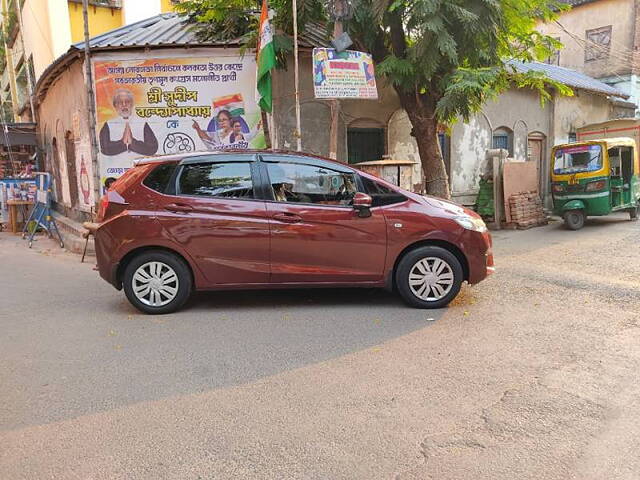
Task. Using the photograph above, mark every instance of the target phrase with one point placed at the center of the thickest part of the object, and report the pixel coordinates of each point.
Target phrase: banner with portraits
(154, 106)
(347, 74)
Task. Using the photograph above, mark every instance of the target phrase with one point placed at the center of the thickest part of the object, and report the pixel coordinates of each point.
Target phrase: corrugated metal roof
(576, 3)
(161, 30)
(170, 29)
(569, 77)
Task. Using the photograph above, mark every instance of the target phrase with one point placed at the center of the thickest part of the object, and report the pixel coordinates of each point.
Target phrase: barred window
(598, 44)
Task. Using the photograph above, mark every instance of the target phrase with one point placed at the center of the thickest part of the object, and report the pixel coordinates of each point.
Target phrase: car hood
(447, 206)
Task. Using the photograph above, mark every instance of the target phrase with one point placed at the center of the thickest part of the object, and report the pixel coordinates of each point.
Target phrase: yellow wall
(166, 6)
(101, 19)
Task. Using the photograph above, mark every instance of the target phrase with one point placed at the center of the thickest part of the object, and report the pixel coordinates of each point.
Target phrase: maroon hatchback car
(266, 219)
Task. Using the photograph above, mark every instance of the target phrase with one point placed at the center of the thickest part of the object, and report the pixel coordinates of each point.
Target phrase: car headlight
(471, 223)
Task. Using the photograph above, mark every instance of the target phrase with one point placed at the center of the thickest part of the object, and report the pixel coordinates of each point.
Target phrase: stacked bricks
(526, 210)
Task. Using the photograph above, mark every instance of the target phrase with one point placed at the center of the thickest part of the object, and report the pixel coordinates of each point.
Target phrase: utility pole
(296, 76)
(334, 104)
(26, 62)
(91, 106)
(340, 11)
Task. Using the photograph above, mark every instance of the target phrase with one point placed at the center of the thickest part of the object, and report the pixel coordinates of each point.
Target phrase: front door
(217, 218)
(316, 236)
(535, 154)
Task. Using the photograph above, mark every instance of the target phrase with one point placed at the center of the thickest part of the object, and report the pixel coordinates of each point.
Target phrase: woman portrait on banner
(225, 130)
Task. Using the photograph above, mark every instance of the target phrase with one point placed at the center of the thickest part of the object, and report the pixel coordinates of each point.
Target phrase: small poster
(347, 74)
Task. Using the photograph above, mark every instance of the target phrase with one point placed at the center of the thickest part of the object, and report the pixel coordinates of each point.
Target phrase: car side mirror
(362, 204)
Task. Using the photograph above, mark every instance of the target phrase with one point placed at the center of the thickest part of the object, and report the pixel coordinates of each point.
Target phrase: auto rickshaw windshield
(580, 158)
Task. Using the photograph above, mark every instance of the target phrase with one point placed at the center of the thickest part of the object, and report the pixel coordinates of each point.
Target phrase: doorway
(535, 153)
(70, 150)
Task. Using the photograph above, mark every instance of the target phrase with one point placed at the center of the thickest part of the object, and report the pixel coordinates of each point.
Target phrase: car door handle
(287, 217)
(179, 207)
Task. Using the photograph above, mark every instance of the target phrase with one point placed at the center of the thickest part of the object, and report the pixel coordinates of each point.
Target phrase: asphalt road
(76, 346)
(531, 374)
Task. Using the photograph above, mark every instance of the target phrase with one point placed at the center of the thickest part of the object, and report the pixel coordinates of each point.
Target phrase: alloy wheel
(431, 279)
(155, 284)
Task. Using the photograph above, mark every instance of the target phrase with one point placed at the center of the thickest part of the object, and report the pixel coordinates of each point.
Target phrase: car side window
(380, 194)
(159, 177)
(226, 180)
(298, 183)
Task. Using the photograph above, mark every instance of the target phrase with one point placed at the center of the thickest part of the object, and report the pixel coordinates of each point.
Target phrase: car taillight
(102, 209)
(111, 205)
(593, 186)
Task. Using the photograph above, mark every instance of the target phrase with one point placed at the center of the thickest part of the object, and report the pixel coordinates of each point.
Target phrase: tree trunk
(422, 115)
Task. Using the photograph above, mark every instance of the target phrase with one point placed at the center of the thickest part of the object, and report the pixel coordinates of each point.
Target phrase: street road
(532, 374)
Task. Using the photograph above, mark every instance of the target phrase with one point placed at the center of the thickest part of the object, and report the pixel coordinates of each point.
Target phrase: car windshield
(581, 158)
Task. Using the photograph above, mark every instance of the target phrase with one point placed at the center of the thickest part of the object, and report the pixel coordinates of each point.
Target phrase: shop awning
(17, 134)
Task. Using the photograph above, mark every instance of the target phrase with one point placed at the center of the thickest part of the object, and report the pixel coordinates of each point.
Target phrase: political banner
(155, 106)
(347, 74)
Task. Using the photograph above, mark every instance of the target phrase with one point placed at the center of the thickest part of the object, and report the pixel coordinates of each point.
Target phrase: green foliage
(237, 20)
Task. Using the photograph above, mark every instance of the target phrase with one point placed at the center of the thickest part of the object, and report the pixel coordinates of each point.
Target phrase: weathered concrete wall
(617, 13)
(516, 111)
(571, 113)
(64, 101)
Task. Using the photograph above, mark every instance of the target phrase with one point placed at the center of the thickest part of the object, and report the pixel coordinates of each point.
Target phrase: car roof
(194, 157)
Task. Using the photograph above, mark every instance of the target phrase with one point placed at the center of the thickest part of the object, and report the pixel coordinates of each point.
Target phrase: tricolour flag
(266, 60)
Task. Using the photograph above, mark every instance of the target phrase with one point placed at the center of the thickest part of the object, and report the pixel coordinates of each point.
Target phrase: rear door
(316, 235)
(217, 216)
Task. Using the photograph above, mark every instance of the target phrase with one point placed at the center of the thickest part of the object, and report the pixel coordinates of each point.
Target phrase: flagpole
(295, 74)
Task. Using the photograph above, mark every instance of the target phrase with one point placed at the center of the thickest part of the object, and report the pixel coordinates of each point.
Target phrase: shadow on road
(319, 297)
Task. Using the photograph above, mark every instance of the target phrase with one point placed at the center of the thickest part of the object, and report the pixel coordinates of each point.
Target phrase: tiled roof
(571, 78)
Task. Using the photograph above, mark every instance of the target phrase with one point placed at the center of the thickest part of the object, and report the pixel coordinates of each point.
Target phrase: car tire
(157, 282)
(429, 277)
(574, 219)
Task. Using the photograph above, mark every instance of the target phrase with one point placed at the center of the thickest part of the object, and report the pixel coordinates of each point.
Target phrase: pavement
(531, 374)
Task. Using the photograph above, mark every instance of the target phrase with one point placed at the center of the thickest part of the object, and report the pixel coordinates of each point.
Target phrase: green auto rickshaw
(595, 178)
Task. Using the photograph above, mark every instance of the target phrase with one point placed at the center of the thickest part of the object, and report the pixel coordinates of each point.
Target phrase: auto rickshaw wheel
(633, 213)
(574, 219)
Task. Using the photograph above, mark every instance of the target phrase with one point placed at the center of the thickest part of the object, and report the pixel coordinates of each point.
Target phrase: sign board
(152, 106)
(347, 74)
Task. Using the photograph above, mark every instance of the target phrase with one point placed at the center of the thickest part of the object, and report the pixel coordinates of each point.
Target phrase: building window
(573, 137)
(365, 144)
(598, 44)
(502, 138)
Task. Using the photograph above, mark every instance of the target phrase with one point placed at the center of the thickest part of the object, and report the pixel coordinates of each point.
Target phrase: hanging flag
(266, 60)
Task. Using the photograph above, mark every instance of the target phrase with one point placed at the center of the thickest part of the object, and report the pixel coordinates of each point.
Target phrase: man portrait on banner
(126, 134)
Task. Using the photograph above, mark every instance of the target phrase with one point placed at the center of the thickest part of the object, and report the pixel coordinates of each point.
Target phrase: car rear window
(380, 194)
(159, 177)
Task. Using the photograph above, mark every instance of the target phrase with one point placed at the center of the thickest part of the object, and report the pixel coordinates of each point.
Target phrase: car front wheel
(429, 277)
(157, 282)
